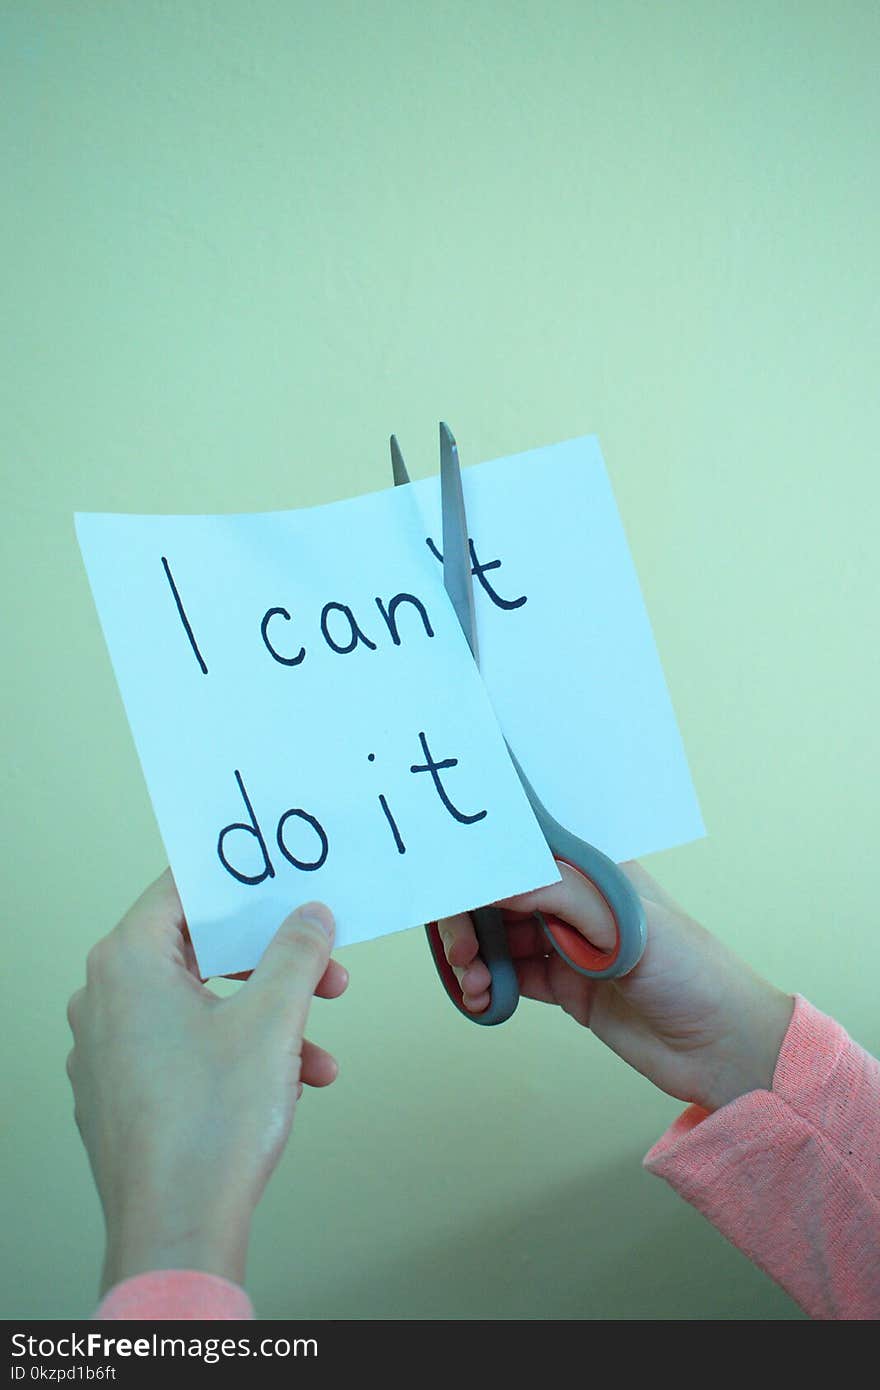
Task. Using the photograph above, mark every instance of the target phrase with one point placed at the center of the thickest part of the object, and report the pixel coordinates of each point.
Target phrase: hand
(185, 1100)
(691, 1016)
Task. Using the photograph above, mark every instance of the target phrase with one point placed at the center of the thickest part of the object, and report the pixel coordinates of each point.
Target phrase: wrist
(744, 1059)
(147, 1235)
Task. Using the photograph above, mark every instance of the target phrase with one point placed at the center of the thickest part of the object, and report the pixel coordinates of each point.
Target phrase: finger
(576, 901)
(476, 1003)
(461, 946)
(155, 930)
(73, 1008)
(459, 939)
(333, 982)
(291, 967)
(157, 912)
(476, 979)
(318, 1068)
(475, 983)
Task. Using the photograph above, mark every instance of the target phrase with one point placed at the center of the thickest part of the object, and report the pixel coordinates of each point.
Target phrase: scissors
(621, 897)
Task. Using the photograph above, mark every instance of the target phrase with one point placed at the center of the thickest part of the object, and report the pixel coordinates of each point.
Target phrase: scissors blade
(457, 578)
(398, 467)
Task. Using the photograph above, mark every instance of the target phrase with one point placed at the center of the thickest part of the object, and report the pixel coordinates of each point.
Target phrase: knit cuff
(172, 1295)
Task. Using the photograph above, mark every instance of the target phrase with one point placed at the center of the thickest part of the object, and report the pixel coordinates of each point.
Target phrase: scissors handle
(581, 955)
(493, 948)
(584, 958)
(574, 948)
(621, 897)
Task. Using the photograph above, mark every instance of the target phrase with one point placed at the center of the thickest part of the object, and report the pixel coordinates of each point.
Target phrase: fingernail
(320, 914)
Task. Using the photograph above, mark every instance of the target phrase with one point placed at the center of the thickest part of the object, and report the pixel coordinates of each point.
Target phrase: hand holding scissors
(615, 888)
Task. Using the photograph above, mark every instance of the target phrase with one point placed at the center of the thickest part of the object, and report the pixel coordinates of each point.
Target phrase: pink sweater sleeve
(792, 1175)
(169, 1295)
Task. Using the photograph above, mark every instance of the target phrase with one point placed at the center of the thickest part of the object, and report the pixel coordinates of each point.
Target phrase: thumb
(292, 964)
(574, 901)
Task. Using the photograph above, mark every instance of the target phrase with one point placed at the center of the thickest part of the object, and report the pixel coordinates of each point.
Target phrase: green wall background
(241, 244)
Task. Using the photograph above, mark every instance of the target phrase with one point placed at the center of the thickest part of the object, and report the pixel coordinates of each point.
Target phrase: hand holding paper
(185, 1101)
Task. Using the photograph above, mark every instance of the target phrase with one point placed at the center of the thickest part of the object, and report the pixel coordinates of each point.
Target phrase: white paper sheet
(230, 734)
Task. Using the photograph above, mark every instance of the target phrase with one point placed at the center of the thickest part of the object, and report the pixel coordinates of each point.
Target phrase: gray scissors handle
(586, 959)
(620, 895)
(494, 951)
